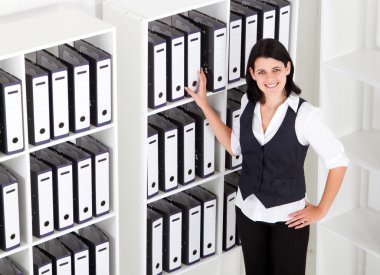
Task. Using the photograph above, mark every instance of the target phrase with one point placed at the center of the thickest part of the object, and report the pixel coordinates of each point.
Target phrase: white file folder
(168, 156)
(58, 93)
(186, 144)
(99, 249)
(37, 94)
(80, 259)
(154, 242)
(233, 117)
(42, 264)
(62, 187)
(156, 71)
(59, 255)
(233, 180)
(229, 217)
(42, 197)
(208, 219)
(8, 267)
(172, 236)
(234, 55)
(214, 42)
(192, 48)
(152, 181)
(11, 120)
(175, 66)
(9, 211)
(79, 88)
(191, 226)
(100, 82)
(100, 174)
(82, 179)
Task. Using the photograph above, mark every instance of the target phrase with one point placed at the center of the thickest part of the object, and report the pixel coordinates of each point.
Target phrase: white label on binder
(231, 221)
(219, 58)
(160, 74)
(152, 165)
(171, 159)
(175, 241)
(157, 247)
(41, 108)
(65, 196)
(194, 233)
(250, 37)
(104, 90)
(284, 26)
(11, 215)
(13, 118)
(209, 148)
(102, 183)
(60, 104)
(193, 59)
(102, 259)
(235, 50)
(189, 153)
(209, 227)
(82, 97)
(64, 266)
(81, 263)
(45, 202)
(178, 67)
(236, 160)
(269, 24)
(46, 270)
(85, 189)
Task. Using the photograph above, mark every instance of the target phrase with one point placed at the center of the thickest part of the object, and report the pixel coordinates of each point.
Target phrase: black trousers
(272, 248)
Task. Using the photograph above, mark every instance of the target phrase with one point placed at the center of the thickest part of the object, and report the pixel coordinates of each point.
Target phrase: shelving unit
(131, 20)
(350, 62)
(34, 32)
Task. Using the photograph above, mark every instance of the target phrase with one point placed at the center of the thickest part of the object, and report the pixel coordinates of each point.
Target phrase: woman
(276, 127)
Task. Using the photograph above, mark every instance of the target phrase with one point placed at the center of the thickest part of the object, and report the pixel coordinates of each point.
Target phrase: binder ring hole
(209, 165)
(13, 236)
(157, 265)
(190, 172)
(104, 112)
(175, 259)
(85, 210)
(220, 78)
(160, 95)
(153, 184)
(171, 178)
(178, 88)
(42, 131)
(195, 252)
(66, 216)
(46, 224)
(61, 125)
(195, 83)
(103, 203)
(82, 118)
(231, 238)
(15, 140)
(237, 157)
(234, 70)
(209, 245)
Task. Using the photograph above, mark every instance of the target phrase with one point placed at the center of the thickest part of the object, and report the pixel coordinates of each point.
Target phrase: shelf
(236, 84)
(359, 226)
(364, 65)
(233, 170)
(363, 149)
(161, 9)
(76, 227)
(4, 157)
(185, 268)
(22, 247)
(198, 181)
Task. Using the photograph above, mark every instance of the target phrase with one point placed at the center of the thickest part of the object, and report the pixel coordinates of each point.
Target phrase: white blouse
(310, 130)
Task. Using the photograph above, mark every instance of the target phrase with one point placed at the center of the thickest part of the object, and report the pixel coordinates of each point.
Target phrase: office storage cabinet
(21, 40)
(136, 48)
(348, 240)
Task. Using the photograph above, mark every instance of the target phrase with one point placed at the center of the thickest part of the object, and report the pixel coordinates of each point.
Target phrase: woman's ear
(252, 73)
(288, 68)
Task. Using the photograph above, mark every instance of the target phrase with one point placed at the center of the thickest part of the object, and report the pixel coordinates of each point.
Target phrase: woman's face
(270, 75)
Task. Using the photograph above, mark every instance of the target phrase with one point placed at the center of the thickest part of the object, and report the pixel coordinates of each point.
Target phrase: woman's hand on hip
(309, 215)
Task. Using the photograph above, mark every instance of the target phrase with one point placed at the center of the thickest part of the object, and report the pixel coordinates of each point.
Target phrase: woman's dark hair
(269, 48)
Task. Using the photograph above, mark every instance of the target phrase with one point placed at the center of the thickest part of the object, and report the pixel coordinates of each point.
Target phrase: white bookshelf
(46, 29)
(349, 97)
(131, 20)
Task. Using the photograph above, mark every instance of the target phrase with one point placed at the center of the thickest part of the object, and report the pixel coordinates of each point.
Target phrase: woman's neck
(274, 101)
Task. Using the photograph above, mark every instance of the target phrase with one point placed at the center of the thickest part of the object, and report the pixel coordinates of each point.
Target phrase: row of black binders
(233, 116)
(67, 92)
(250, 21)
(181, 145)
(181, 229)
(230, 233)
(178, 46)
(69, 183)
(9, 267)
(85, 253)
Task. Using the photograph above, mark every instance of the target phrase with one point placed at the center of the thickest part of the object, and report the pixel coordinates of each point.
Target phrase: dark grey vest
(273, 172)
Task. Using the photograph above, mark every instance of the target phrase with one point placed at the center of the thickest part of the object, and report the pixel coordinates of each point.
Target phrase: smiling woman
(275, 130)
